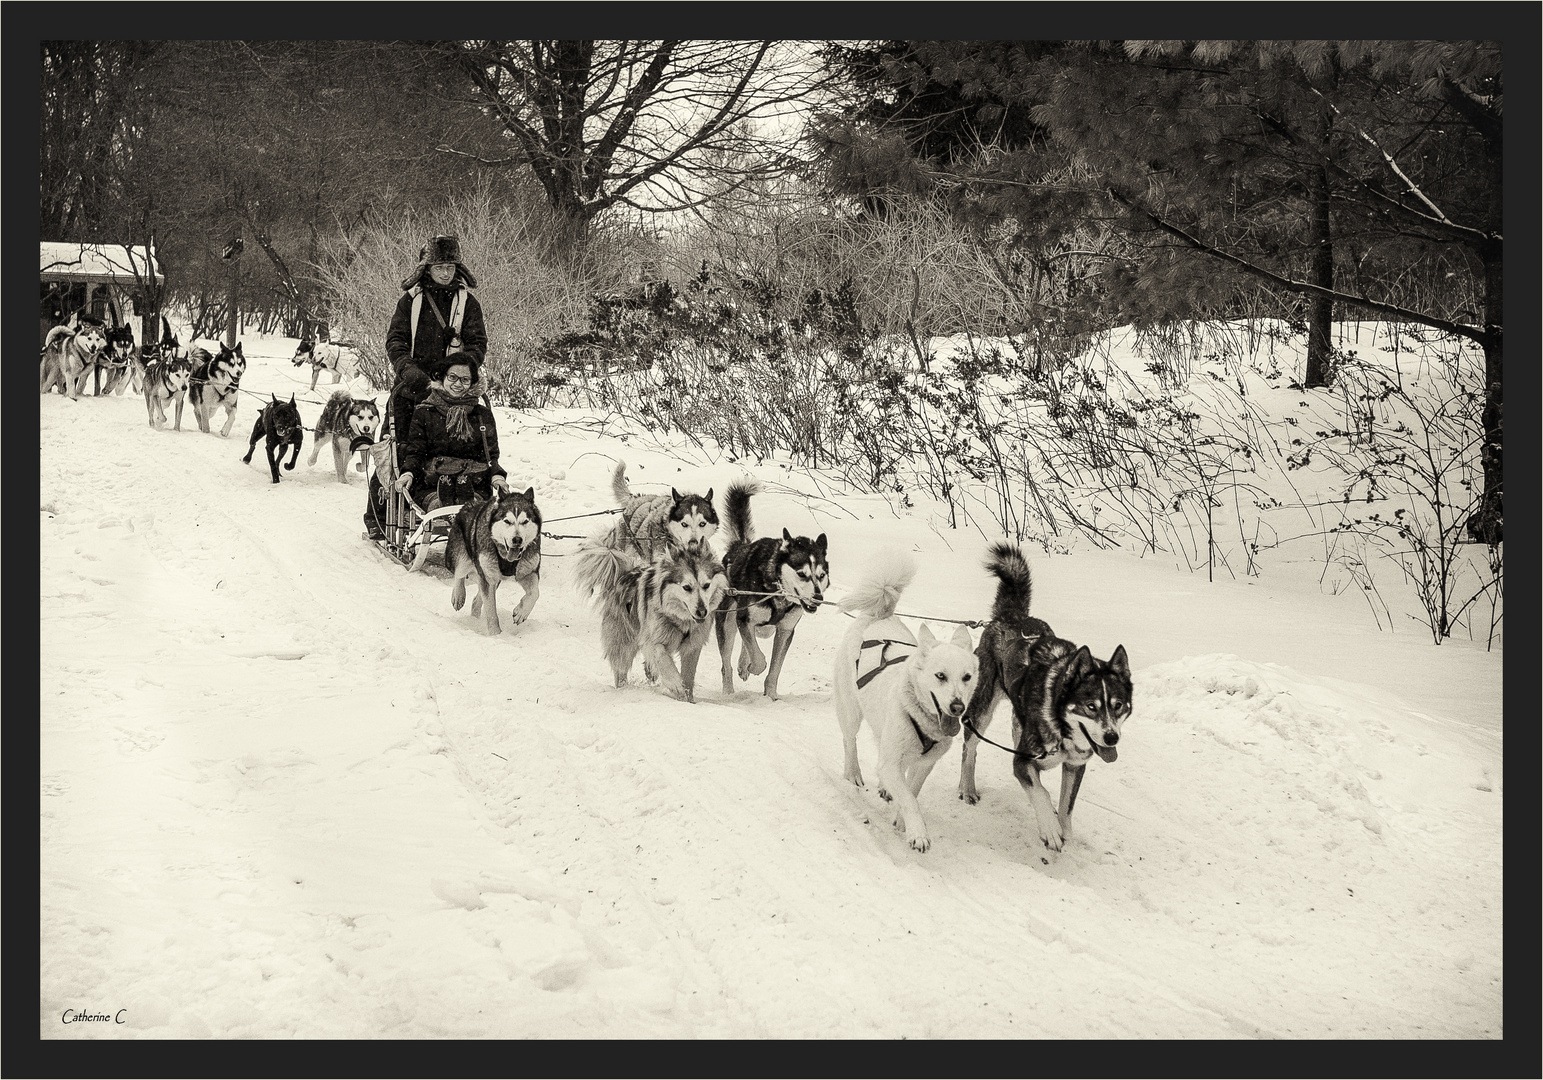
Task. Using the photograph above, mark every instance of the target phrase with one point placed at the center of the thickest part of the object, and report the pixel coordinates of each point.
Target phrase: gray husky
(349, 425)
(662, 609)
(650, 522)
(1067, 704)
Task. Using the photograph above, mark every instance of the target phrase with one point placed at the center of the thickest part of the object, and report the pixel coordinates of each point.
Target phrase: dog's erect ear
(238, 350)
(819, 544)
(1119, 663)
(291, 399)
(1079, 661)
(675, 495)
(709, 496)
(925, 642)
(961, 638)
(275, 399)
(530, 494)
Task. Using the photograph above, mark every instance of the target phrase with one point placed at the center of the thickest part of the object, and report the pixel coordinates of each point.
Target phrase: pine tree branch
(1479, 334)
(1410, 185)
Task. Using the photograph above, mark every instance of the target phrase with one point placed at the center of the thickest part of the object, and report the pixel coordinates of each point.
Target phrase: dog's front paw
(854, 777)
(1051, 836)
(757, 665)
(885, 795)
(919, 841)
(969, 795)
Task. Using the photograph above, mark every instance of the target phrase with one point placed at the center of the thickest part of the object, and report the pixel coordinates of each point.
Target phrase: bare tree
(648, 125)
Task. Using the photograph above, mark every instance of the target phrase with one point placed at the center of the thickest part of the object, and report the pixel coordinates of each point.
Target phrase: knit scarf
(457, 409)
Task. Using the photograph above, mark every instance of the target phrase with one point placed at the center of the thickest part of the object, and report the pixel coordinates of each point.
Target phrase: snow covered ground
(286, 790)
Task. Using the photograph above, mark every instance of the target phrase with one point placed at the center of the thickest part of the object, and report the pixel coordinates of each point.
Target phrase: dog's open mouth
(360, 442)
(1107, 753)
(811, 606)
(511, 550)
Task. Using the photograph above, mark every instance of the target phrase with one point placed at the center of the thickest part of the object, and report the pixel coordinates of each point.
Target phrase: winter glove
(501, 483)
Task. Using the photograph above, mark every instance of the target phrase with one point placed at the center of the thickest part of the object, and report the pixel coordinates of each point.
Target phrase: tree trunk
(235, 302)
(1320, 312)
(1485, 526)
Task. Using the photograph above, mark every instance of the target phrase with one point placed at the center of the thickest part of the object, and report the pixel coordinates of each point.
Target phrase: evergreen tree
(1231, 167)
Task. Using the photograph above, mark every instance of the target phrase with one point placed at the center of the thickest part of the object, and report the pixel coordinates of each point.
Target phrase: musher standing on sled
(437, 314)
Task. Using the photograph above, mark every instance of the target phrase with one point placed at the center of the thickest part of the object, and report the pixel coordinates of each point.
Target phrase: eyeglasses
(458, 380)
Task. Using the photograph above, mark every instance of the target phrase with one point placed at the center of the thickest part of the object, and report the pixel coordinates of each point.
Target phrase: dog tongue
(1108, 753)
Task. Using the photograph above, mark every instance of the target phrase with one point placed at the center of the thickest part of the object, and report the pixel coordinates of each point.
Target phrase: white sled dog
(911, 689)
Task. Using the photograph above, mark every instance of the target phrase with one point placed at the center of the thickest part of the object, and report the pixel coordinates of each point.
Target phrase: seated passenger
(450, 455)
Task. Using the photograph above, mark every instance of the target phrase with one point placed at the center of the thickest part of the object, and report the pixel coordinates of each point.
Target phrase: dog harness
(885, 660)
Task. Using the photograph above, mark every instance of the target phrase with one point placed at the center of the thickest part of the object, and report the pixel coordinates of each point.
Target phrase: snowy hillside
(286, 790)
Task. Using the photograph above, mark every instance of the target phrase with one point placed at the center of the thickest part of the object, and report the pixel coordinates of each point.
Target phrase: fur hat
(440, 249)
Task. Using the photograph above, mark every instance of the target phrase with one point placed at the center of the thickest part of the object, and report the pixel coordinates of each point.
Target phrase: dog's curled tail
(599, 570)
(878, 593)
(736, 509)
(1015, 584)
(619, 486)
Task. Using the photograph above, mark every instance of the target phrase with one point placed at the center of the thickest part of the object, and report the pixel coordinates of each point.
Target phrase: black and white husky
(325, 356)
(349, 425)
(773, 582)
(1067, 704)
(216, 384)
(70, 355)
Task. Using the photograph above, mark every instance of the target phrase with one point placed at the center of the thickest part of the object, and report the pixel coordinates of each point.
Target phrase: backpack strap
(457, 313)
(416, 292)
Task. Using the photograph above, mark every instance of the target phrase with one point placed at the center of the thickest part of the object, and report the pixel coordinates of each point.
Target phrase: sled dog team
(656, 582)
(660, 590)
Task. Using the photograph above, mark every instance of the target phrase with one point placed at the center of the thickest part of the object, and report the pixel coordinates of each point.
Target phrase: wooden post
(233, 255)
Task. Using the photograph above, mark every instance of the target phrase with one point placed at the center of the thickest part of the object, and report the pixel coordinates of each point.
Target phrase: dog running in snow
(912, 690)
(492, 540)
(661, 608)
(773, 583)
(120, 359)
(324, 356)
(166, 381)
(278, 421)
(69, 355)
(349, 425)
(216, 384)
(649, 522)
(1067, 705)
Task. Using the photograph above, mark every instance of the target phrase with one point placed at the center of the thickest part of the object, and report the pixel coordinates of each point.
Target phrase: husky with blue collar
(912, 690)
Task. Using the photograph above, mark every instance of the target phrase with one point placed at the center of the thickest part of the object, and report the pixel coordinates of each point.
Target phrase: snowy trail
(287, 790)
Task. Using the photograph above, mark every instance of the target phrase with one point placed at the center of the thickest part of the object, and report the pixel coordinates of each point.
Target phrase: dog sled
(409, 531)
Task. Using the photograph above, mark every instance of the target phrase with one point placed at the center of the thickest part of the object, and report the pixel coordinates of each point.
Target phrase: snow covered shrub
(528, 290)
(1407, 446)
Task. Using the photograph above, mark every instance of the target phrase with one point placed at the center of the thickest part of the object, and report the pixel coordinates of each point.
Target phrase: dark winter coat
(427, 439)
(412, 386)
(433, 340)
